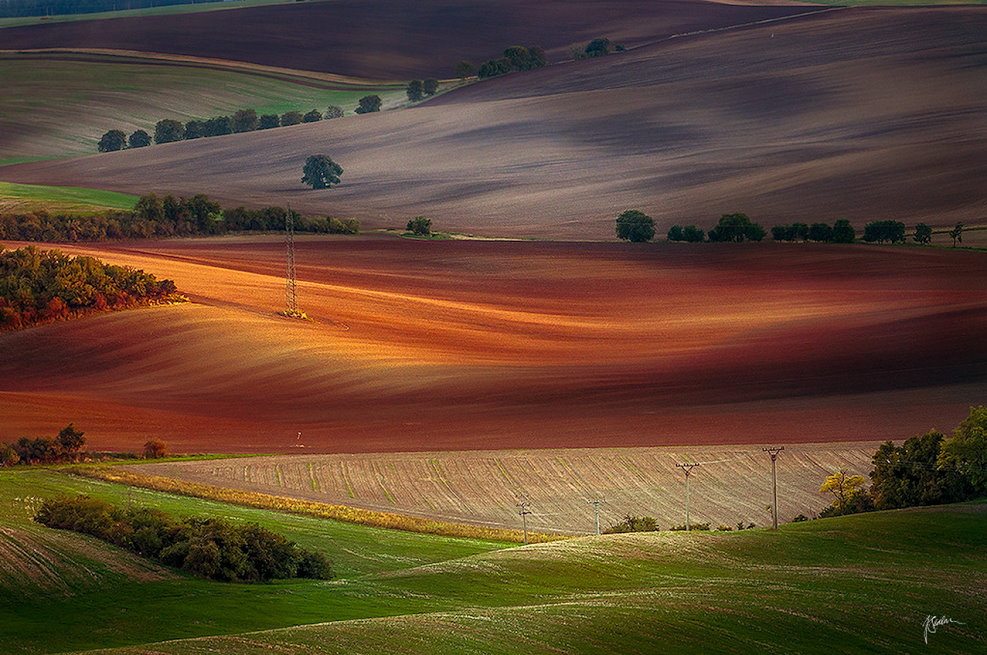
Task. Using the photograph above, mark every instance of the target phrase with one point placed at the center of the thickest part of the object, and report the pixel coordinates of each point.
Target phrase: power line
(688, 472)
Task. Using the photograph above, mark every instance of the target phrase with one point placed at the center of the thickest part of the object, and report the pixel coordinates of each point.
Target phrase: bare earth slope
(487, 345)
(856, 113)
(393, 39)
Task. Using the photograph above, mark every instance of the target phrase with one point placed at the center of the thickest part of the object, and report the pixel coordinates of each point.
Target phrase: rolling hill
(452, 345)
(855, 113)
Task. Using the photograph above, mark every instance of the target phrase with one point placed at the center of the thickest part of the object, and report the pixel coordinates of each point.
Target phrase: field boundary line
(373, 518)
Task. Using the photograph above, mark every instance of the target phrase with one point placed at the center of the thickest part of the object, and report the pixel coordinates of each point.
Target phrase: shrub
(268, 121)
(414, 90)
(112, 141)
(244, 120)
(634, 225)
(195, 130)
(420, 225)
(139, 139)
(368, 104)
(692, 527)
(217, 126)
(291, 118)
(332, 111)
(155, 449)
(598, 47)
(633, 524)
(430, 86)
(800, 518)
(313, 116)
(464, 69)
(675, 233)
(168, 131)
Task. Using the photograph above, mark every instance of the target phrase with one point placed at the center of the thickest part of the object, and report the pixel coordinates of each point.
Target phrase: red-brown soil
(464, 344)
(859, 114)
(393, 39)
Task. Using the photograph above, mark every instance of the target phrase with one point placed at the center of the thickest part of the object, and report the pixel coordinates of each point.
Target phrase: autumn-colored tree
(843, 487)
(155, 449)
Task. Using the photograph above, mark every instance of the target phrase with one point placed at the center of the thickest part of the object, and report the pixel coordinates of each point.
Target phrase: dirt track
(859, 114)
(465, 345)
(393, 39)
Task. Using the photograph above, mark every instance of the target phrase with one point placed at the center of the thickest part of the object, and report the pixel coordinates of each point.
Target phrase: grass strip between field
(355, 515)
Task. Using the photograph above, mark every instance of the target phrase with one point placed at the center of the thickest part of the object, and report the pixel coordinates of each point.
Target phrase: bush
(368, 104)
(313, 116)
(634, 225)
(155, 449)
(139, 139)
(693, 527)
(430, 86)
(420, 225)
(291, 118)
(268, 121)
(195, 130)
(244, 120)
(800, 518)
(112, 141)
(633, 524)
(414, 90)
(168, 131)
(598, 47)
(217, 126)
(210, 548)
(332, 111)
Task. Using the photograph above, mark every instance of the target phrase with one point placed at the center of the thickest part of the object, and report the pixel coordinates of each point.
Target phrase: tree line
(64, 447)
(40, 286)
(515, 58)
(930, 469)
(418, 89)
(243, 120)
(162, 216)
(21, 8)
(215, 549)
(635, 225)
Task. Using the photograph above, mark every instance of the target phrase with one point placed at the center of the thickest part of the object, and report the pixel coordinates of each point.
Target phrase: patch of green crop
(62, 198)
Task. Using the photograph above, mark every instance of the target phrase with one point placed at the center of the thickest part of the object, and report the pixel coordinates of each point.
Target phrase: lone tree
(598, 47)
(414, 90)
(634, 225)
(168, 130)
(139, 139)
(923, 233)
(420, 225)
(957, 234)
(111, 141)
(464, 69)
(368, 104)
(155, 449)
(321, 172)
(430, 86)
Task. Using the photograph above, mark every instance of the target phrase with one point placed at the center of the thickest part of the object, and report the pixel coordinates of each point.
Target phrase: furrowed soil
(464, 345)
(862, 114)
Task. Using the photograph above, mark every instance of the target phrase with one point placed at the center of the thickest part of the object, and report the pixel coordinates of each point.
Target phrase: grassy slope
(27, 197)
(865, 583)
(174, 607)
(53, 107)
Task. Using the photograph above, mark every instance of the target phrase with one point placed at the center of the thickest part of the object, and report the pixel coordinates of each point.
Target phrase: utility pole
(773, 451)
(290, 289)
(688, 471)
(596, 511)
(522, 508)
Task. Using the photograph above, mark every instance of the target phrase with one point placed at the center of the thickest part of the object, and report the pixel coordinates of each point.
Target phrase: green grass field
(860, 584)
(55, 107)
(29, 197)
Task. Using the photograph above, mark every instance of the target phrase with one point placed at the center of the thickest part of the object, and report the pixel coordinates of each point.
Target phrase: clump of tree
(464, 69)
(929, 469)
(420, 226)
(737, 228)
(210, 548)
(689, 233)
(599, 47)
(64, 447)
(321, 172)
(634, 225)
(884, 232)
(368, 104)
(267, 122)
(840, 232)
(332, 111)
(161, 216)
(168, 131)
(155, 449)
(40, 286)
(633, 524)
(923, 234)
(516, 58)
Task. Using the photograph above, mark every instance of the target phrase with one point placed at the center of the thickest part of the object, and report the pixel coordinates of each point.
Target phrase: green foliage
(313, 116)
(207, 547)
(820, 232)
(912, 474)
(414, 90)
(368, 104)
(843, 231)
(217, 126)
(516, 58)
(332, 111)
(884, 231)
(63, 448)
(112, 141)
(694, 527)
(420, 225)
(168, 131)
(195, 130)
(244, 120)
(675, 233)
(956, 234)
(598, 47)
(430, 86)
(634, 225)
(38, 286)
(494, 67)
(736, 228)
(464, 69)
(268, 121)
(966, 451)
(290, 118)
(844, 488)
(321, 172)
(633, 524)
(139, 139)
(689, 233)
(923, 234)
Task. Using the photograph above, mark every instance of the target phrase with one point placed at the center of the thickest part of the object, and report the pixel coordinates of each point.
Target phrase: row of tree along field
(59, 7)
(635, 225)
(41, 286)
(243, 120)
(163, 216)
(215, 549)
(66, 447)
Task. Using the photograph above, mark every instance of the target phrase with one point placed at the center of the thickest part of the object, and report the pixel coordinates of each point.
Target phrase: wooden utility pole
(596, 511)
(522, 509)
(688, 471)
(773, 451)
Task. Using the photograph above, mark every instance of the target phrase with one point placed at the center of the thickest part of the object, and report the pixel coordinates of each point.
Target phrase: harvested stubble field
(733, 484)
(856, 113)
(466, 345)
